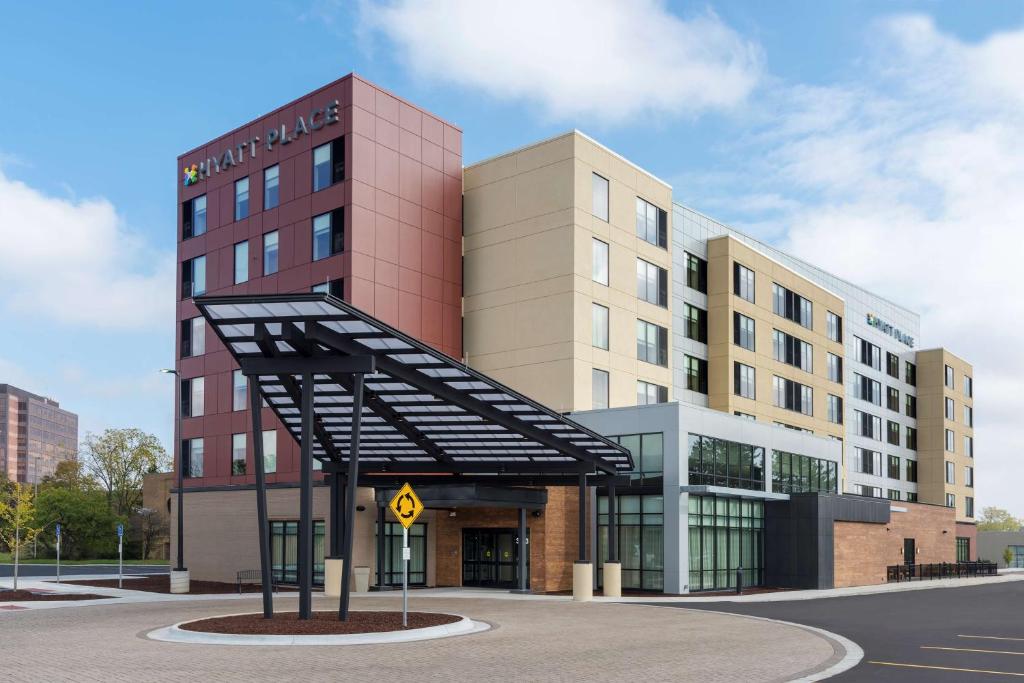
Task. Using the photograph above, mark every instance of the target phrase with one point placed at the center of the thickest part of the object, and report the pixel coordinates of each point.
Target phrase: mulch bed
(322, 623)
(162, 584)
(29, 596)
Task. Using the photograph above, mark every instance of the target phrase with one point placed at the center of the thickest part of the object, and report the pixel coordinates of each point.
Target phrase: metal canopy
(423, 412)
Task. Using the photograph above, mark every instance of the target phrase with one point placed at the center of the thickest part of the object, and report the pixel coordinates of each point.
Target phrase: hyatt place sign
(879, 324)
(282, 135)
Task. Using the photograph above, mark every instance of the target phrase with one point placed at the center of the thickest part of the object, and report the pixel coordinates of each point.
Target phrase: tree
(87, 522)
(998, 519)
(148, 526)
(118, 459)
(69, 474)
(17, 519)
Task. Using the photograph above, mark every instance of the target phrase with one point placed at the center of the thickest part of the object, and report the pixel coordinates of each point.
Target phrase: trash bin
(362, 579)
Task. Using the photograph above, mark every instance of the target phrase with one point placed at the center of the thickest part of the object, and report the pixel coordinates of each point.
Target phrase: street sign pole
(58, 553)
(120, 555)
(405, 577)
(406, 506)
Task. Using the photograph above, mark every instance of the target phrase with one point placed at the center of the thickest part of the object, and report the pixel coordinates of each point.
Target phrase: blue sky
(862, 135)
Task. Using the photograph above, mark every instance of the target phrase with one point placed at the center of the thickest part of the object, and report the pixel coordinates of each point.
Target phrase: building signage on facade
(895, 333)
(281, 135)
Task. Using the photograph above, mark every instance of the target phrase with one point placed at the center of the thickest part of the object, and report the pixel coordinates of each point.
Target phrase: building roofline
(799, 260)
(559, 136)
(943, 349)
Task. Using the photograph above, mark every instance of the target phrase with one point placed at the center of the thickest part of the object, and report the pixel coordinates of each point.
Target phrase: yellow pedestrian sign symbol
(406, 506)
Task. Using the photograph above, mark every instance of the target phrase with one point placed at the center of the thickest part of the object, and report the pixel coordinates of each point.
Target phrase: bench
(251, 576)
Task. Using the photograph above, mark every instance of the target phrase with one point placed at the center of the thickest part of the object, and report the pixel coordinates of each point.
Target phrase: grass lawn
(8, 558)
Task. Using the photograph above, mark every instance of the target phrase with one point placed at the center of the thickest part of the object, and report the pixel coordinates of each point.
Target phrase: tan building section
(862, 551)
(529, 282)
(932, 425)
(723, 353)
(156, 496)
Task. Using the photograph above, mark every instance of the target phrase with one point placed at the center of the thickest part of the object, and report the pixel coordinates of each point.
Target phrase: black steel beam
(306, 502)
(381, 522)
(261, 500)
(298, 365)
(353, 480)
(613, 525)
(524, 550)
(583, 517)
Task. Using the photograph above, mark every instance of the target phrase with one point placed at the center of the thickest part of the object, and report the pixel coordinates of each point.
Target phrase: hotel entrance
(490, 558)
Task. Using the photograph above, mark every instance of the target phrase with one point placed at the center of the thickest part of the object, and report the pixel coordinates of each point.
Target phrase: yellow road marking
(968, 649)
(947, 668)
(991, 638)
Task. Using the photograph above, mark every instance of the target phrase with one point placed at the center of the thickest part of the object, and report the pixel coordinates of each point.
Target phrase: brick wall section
(862, 551)
(968, 530)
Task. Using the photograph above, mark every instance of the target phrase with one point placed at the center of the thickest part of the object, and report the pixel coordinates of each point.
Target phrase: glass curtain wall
(393, 554)
(725, 533)
(284, 552)
(641, 540)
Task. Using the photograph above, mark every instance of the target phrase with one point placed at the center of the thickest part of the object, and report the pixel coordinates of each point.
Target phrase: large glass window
(835, 367)
(911, 471)
(651, 283)
(651, 343)
(868, 425)
(894, 467)
(328, 234)
(910, 374)
(950, 472)
(742, 282)
(867, 389)
(792, 351)
(833, 326)
(193, 277)
(892, 399)
(696, 273)
(717, 462)
(911, 408)
(284, 552)
(696, 374)
(641, 544)
(792, 395)
(950, 409)
(835, 409)
(270, 451)
(335, 288)
(963, 549)
(911, 438)
(271, 187)
(868, 353)
(238, 454)
(696, 320)
(950, 441)
(193, 397)
(743, 380)
(599, 264)
(969, 446)
(239, 389)
(742, 331)
(193, 337)
(648, 452)
(648, 393)
(795, 473)
(328, 164)
(968, 386)
(599, 326)
(193, 217)
(892, 433)
(600, 204)
(599, 389)
(241, 262)
(866, 461)
(950, 377)
(270, 253)
(651, 223)
(892, 365)
(192, 454)
(968, 416)
(393, 569)
(241, 198)
(792, 306)
(725, 534)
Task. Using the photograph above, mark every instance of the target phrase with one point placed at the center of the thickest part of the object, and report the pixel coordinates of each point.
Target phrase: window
(911, 471)
(834, 327)
(835, 409)
(328, 234)
(239, 388)
(193, 337)
(193, 395)
(866, 461)
(969, 476)
(648, 451)
(241, 198)
(968, 416)
(328, 164)
(868, 425)
(270, 253)
(640, 540)
(193, 277)
(743, 282)
(599, 265)
(651, 343)
(911, 406)
(648, 393)
(335, 288)
(598, 389)
(892, 433)
(270, 451)
(968, 506)
(192, 457)
(950, 377)
(969, 446)
(894, 494)
(237, 455)
(892, 365)
(793, 473)
(892, 399)
(600, 186)
(651, 223)
(910, 373)
(745, 416)
(911, 497)
(651, 283)
(963, 549)
(696, 273)
(271, 187)
(717, 462)
(950, 500)
(790, 350)
(868, 353)
(950, 409)
(792, 306)
(284, 542)
(911, 438)
(793, 395)
(894, 467)
(696, 374)
(968, 386)
(599, 326)
(724, 534)
(193, 217)
(743, 380)
(241, 262)
(950, 441)
(867, 389)
(743, 331)
(696, 323)
(835, 367)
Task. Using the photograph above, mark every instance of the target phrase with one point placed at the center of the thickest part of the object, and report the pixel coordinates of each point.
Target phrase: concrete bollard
(582, 582)
(179, 581)
(332, 576)
(612, 580)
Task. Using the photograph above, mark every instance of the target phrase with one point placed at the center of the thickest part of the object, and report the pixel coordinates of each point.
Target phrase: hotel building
(36, 435)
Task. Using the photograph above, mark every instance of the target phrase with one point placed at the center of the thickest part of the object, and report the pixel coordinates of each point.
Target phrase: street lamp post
(179, 576)
(35, 497)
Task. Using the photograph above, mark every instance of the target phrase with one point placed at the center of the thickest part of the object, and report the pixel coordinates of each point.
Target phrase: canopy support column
(524, 551)
(612, 575)
(583, 517)
(255, 411)
(381, 526)
(353, 479)
(306, 501)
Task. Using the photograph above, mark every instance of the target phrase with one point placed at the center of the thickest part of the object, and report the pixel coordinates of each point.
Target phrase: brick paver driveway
(530, 640)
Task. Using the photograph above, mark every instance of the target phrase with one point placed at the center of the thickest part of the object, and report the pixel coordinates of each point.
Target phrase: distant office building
(35, 435)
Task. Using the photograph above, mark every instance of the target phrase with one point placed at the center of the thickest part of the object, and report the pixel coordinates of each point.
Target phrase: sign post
(406, 506)
(120, 555)
(58, 551)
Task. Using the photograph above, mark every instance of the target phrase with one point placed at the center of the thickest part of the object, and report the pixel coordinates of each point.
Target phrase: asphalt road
(27, 571)
(949, 634)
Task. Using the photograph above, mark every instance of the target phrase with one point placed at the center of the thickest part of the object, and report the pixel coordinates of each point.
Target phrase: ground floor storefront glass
(284, 552)
(725, 533)
(393, 554)
(641, 540)
(1016, 557)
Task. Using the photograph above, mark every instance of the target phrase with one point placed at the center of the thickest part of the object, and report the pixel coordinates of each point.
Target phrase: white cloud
(909, 181)
(602, 60)
(75, 262)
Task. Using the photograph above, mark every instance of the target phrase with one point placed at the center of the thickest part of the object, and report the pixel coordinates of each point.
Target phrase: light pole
(181, 469)
(35, 497)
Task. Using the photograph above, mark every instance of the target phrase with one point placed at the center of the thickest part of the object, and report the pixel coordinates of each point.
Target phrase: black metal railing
(943, 570)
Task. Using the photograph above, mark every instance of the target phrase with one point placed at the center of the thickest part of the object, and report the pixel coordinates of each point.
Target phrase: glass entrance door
(490, 558)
